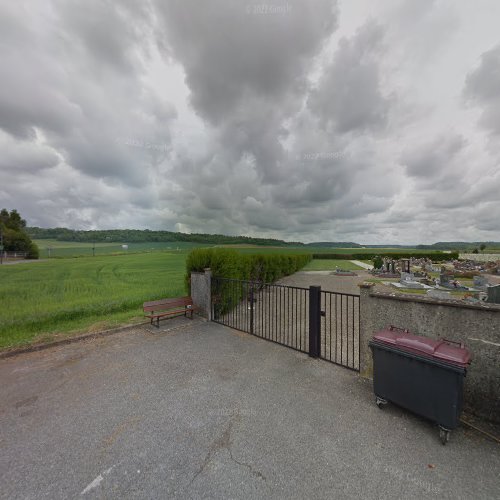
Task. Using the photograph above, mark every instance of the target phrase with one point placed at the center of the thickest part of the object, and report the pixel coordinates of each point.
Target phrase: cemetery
(464, 280)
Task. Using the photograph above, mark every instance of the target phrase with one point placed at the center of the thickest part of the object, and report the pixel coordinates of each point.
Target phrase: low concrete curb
(69, 340)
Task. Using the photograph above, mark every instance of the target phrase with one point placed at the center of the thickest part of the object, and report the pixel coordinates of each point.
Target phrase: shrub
(227, 263)
(33, 252)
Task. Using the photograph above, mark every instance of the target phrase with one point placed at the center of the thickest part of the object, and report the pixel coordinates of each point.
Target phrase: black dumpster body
(423, 375)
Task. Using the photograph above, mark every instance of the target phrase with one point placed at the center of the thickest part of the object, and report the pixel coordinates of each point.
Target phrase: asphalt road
(207, 412)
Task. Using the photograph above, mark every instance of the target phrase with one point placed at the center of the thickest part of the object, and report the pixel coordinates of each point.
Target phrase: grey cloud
(349, 95)
(248, 73)
(482, 87)
(67, 81)
(250, 110)
(110, 33)
(25, 105)
(469, 192)
(488, 219)
(434, 159)
(293, 132)
(25, 156)
(423, 28)
(230, 55)
(269, 219)
(483, 83)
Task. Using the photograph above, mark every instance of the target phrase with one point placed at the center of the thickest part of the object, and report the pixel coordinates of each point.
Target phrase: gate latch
(323, 313)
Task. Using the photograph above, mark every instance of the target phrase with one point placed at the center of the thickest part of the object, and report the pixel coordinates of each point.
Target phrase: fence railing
(323, 324)
(14, 255)
(340, 329)
(273, 312)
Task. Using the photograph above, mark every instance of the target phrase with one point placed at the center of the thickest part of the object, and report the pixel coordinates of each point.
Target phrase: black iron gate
(340, 329)
(320, 323)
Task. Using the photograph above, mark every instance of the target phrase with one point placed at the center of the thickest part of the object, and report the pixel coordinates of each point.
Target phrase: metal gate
(340, 329)
(321, 323)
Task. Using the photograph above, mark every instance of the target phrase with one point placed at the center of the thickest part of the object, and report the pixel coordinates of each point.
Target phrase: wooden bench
(158, 309)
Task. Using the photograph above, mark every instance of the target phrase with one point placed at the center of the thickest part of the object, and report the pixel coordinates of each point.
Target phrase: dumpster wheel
(380, 402)
(444, 434)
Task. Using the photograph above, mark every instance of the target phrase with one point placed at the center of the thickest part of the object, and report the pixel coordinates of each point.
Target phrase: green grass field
(331, 265)
(75, 292)
(42, 299)
(63, 249)
(350, 251)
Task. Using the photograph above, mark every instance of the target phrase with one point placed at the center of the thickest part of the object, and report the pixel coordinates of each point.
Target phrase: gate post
(208, 278)
(201, 285)
(251, 307)
(314, 321)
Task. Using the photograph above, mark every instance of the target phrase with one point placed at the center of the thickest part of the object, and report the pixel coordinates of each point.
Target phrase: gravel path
(327, 280)
(364, 265)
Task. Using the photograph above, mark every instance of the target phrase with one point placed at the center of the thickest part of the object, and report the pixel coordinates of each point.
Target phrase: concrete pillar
(201, 286)
(365, 330)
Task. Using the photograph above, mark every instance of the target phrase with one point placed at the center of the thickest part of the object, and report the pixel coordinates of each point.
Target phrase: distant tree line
(435, 256)
(14, 237)
(460, 245)
(334, 244)
(146, 235)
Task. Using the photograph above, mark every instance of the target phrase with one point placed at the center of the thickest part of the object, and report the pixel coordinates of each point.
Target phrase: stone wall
(480, 257)
(477, 326)
(200, 292)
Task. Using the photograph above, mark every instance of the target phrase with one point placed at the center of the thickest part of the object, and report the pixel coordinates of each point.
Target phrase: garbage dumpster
(423, 375)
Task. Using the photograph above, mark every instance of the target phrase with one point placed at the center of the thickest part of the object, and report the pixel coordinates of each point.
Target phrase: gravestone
(405, 265)
(407, 280)
(480, 282)
(493, 294)
(406, 277)
(444, 277)
(438, 294)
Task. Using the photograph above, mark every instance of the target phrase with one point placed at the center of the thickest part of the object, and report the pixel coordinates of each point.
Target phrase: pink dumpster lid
(443, 350)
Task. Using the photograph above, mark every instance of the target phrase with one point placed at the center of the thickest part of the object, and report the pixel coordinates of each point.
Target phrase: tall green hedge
(227, 263)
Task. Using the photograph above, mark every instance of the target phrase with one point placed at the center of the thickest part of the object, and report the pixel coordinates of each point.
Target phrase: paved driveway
(207, 412)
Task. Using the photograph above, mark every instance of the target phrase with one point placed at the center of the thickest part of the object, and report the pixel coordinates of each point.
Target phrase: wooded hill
(459, 245)
(146, 235)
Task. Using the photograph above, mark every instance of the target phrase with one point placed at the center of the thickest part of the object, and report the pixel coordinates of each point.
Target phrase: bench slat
(169, 301)
(168, 307)
(164, 304)
(166, 313)
(173, 301)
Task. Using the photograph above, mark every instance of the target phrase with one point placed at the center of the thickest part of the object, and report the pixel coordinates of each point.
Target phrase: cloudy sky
(310, 120)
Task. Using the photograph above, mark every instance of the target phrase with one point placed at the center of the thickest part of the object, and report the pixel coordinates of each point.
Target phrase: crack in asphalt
(254, 472)
(224, 442)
